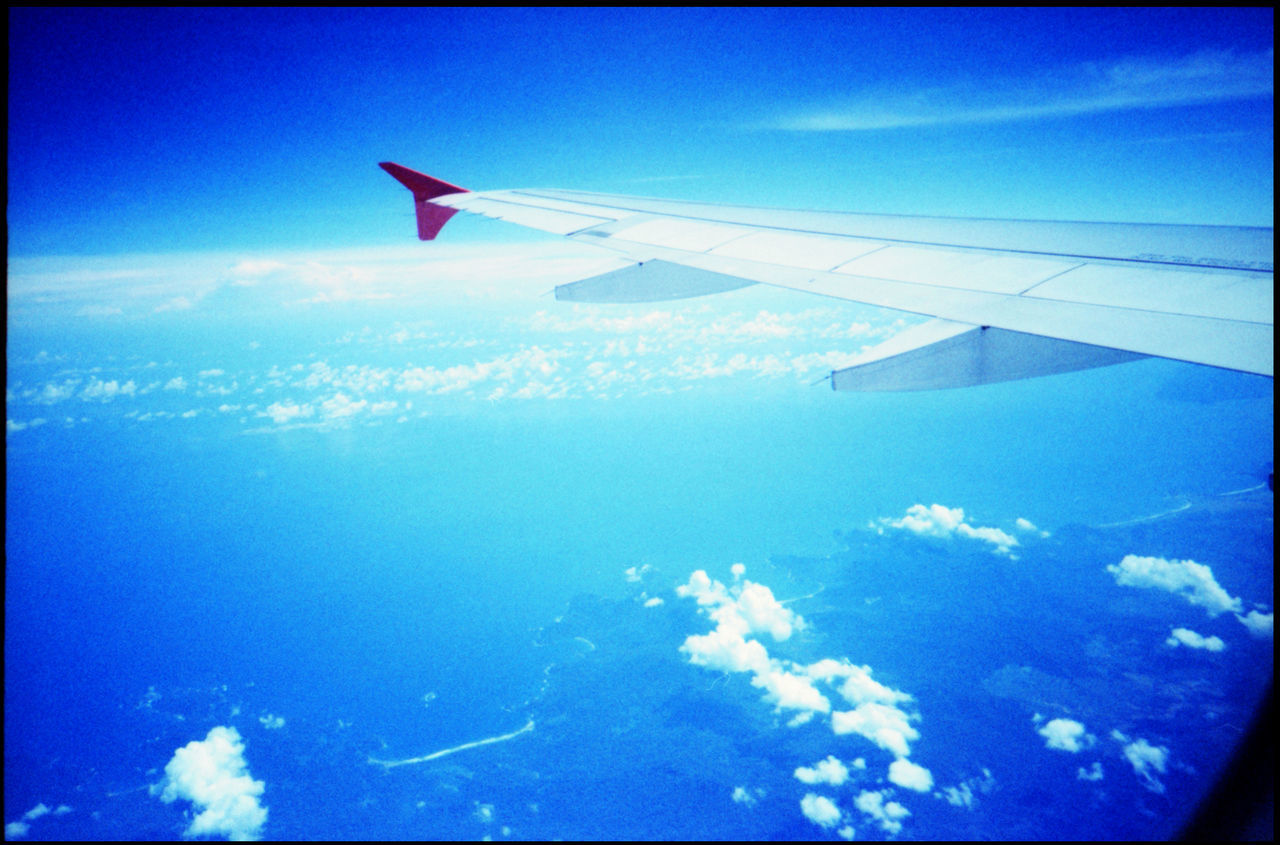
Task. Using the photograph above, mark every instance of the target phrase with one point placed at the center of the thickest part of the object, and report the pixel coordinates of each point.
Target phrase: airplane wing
(1010, 299)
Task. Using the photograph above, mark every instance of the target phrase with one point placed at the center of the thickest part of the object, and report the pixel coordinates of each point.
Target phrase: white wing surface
(1012, 298)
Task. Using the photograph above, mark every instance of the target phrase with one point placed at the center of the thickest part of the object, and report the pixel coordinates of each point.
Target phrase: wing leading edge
(1011, 299)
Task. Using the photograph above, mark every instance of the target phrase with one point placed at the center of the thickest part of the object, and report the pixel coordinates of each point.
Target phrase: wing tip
(431, 217)
(424, 187)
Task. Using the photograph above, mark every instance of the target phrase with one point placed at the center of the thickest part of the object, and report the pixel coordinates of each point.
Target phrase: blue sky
(140, 131)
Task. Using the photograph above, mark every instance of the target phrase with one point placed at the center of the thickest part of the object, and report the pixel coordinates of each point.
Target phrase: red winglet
(431, 217)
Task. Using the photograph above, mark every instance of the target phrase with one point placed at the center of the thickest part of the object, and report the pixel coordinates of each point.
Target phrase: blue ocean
(437, 575)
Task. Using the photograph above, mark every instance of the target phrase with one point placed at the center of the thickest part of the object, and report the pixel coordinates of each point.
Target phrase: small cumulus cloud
(212, 774)
(749, 797)
(287, 411)
(1093, 773)
(22, 827)
(1147, 760)
(830, 771)
(1193, 581)
(888, 815)
(1190, 639)
(910, 776)
(271, 722)
(1066, 735)
(886, 726)
(340, 406)
(1259, 624)
(105, 391)
(820, 810)
(940, 521)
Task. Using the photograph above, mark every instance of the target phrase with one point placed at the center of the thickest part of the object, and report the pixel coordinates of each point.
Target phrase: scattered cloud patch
(910, 776)
(886, 726)
(22, 827)
(1193, 581)
(1147, 760)
(1066, 735)
(213, 776)
(941, 521)
(271, 722)
(749, 797)
(105, 391)
(746, 609)
(1260, 625)
(829, 771)
(1190, 639)
(820, 810)
(1093, 773)
(287, 411)
(888, 815)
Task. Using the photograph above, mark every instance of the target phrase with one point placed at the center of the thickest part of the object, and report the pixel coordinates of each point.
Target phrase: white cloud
(958, 796)
(1260, 625)
(858, 687)
(283, 412)
(1066, 735)
(653, 602)
(57, 392)
(1028, 525)
(1193, 581)
(888, 727)
(888, 815)
(271, 722)
(742, 795)
(910, 776)
(727, 651)
(830, 771)
(212, 775)
(105, 391)
(748, 608)
(1093, 773)
(941, 521)
(1190, 639)
(339, 406)
(1145, 758)
(1088, 88)
(176, 383)
(820, 810)
(19, 829)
